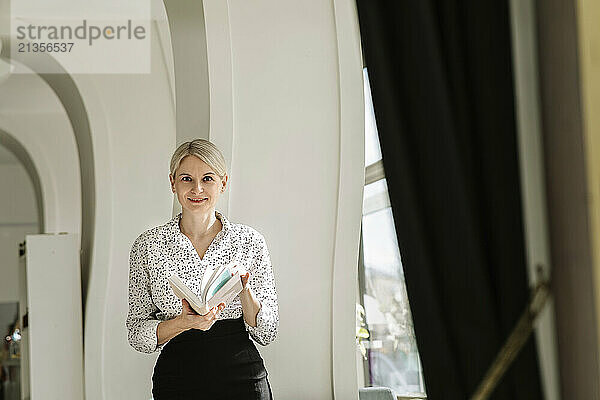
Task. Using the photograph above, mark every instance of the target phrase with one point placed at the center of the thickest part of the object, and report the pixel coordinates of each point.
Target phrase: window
(391, 358)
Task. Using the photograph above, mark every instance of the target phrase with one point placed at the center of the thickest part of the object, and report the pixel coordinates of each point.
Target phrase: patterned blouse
(162, 251)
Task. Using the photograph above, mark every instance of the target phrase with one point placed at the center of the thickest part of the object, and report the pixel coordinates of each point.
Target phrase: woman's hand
(190, 319)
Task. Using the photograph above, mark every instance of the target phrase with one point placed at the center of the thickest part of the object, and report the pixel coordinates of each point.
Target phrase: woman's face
(197, 185)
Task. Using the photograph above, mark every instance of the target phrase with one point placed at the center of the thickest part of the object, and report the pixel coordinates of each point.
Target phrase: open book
(220, 286)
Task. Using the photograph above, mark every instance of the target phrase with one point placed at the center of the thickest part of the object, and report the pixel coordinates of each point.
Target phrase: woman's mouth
(197, 200)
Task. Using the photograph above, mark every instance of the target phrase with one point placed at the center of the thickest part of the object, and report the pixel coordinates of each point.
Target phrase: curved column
(351, 180)
(188, 43)
(296, 141)
(132, 122)
(220, 77)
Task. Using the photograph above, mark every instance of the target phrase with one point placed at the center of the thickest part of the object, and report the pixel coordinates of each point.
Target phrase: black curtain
(442, 87)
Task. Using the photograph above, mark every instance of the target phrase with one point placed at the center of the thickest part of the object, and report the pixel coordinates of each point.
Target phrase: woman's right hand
(190, 319)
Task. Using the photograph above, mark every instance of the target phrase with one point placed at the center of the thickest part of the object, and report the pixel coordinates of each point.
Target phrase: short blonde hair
(204, 150)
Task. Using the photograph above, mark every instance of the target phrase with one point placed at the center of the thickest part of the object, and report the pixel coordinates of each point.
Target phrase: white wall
(285, 174)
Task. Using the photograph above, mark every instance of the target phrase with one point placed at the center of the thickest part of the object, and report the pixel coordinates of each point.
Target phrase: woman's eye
(208, 178)
(186, 179)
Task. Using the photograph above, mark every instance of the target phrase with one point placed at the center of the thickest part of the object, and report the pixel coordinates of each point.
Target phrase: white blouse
(162, 251)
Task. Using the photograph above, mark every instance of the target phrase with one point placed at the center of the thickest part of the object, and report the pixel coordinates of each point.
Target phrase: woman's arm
(168, 329)
(259, 299)
(250, 304)
(141, 318)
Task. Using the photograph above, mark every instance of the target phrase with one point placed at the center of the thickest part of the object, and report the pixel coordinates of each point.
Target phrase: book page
(227, 292)
(218, 283)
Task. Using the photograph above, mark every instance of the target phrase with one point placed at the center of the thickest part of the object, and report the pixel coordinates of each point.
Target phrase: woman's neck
(199, 225)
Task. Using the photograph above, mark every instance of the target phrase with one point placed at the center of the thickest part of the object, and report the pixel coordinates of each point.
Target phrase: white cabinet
(52, 343)
(24, 328)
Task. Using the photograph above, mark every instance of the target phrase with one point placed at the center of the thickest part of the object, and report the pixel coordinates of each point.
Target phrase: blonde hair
(204, 150)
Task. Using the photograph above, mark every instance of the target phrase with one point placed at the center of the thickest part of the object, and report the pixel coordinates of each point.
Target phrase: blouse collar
(173, 226)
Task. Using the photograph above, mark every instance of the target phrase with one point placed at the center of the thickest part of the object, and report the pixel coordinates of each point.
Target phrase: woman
(201, 356)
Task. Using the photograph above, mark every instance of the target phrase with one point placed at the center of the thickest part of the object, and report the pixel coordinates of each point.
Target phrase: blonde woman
(201, 356)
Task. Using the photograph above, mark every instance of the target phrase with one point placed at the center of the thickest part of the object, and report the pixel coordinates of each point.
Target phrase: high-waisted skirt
(221, 363)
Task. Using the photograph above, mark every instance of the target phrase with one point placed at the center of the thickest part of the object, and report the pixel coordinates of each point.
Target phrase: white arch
(20, 152)
(48, 140)
(129, 121)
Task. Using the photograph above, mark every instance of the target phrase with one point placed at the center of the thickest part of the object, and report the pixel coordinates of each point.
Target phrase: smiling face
(197, 185)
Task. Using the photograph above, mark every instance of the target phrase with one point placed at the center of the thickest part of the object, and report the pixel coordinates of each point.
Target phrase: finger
(245, 279)
(210, 315)
(187, 307)
(209, 312)
(187, 304)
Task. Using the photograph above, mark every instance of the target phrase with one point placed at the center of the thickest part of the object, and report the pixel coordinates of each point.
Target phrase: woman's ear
(172, 183)
(224, 183)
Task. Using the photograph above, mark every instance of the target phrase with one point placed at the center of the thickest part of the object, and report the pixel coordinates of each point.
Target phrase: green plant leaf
(362, 333)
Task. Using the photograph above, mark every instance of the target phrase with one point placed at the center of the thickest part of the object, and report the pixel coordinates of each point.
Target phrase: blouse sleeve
(141, 321)
(262, 283)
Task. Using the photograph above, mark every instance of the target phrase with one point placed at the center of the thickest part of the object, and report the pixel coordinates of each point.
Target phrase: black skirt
(221, 363)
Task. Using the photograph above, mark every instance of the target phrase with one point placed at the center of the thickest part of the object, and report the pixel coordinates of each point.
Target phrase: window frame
(375, 172)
